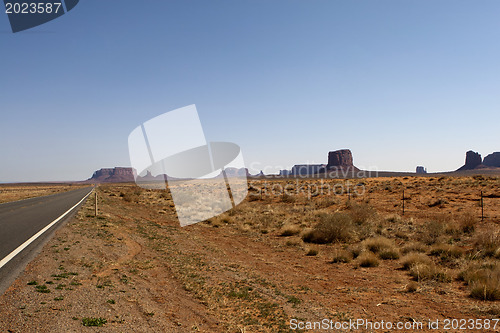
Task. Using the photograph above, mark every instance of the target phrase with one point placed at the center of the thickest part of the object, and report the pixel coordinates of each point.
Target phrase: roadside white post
(95, 203)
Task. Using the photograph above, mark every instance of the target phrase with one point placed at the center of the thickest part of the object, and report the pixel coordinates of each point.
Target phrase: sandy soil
(137, 270)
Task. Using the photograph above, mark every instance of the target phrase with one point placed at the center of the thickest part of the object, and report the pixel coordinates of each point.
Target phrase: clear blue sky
(400, 83)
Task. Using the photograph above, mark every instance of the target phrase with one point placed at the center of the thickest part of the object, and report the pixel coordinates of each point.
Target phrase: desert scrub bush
(341, 256)
(287, 198)
(384, 247)
(429, 271)
(368, 259)
(362, 213)
(412, 259)
(394, 218)
(355, 250)
(389, 254)
(446, 251)
(483, 280)
(377, 244)
(467, 222)
(487, 243)
(433, 229)
(292, 243)
(437, 203)
(414, 247)
(411, 287)
(289, 230)
(331, 227)
(324, 202)
(311, 252)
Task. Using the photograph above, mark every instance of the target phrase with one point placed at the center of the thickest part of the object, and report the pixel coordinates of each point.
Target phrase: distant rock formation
(113, 175)
(492, 160)
(236, 172)
(473, 160)
(285, 173)
(125, 175)
(421, 170)
(340, 158)
(306, 169)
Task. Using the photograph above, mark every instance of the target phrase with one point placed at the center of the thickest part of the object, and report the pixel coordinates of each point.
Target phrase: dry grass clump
(467, 222)
(290, 230)
(325, 202)
(394, 219)
(488, 243)
(287, 198)
(377, 244)
(342, 256)
(331, 227)
(363, 216)
(414, 247)
(384, 247)
(429, 271)
(362, 213)
(412, 259)
(433, 229)
(311, 252)
(219, 220)
(437, 203)
(389, 254)
(411, 287)
(356, 250)
(447, 251)
(484, 280)
(368, 259)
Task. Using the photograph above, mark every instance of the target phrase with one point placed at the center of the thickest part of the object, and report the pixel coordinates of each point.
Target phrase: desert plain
(296, 250)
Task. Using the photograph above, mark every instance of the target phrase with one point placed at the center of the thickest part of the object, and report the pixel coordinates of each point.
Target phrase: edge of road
(10, 270)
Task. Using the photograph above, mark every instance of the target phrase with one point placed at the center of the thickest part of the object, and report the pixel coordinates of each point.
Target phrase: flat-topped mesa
(472, 161)
(112, 175)
(340, 159)
(492, 160)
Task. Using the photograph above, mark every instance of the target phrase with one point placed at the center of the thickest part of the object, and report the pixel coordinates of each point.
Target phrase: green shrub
(94, 321)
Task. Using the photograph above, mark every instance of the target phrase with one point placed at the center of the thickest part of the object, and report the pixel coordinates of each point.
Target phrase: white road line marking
(14, 253)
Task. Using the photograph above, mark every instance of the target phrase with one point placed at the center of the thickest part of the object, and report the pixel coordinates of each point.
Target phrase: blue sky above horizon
(399, 83)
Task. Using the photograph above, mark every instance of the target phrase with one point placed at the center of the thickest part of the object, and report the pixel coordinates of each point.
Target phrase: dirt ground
(253, 269)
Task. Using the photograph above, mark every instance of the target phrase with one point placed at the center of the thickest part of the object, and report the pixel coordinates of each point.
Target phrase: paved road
(23, 221)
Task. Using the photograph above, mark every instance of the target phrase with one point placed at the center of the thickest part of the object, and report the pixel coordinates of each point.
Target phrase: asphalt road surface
(27, 224)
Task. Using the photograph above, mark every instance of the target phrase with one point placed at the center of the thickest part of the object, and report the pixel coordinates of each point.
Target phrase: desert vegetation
(272, 258)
